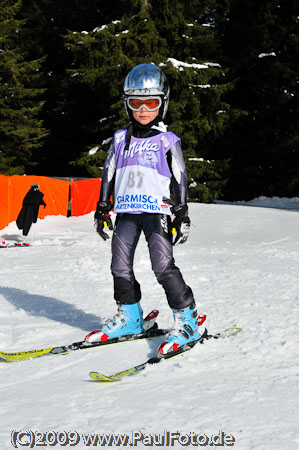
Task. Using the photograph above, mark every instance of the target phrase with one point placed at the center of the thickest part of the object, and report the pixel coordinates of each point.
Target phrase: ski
(151, 331)
(5, 244)
(99, 377)
(54, 244)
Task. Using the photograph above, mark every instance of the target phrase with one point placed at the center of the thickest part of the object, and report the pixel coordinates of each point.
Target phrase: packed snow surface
(242, 264)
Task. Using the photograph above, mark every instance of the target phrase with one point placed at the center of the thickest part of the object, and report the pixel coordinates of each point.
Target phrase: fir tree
(261, 46)
(197, 113)
(47, 21)
(21, 131)
(232, 68)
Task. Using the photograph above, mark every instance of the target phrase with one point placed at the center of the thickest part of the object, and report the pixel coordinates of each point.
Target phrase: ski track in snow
(242, 265)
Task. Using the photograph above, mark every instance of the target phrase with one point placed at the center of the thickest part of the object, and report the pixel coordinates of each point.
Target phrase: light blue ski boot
(127, 321)
(184, 331)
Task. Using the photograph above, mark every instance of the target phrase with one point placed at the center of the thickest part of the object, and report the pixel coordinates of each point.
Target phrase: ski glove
(180, 224)
(102, 219)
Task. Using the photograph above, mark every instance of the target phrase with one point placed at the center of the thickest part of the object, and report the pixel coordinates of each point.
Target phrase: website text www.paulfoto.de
(31, 439)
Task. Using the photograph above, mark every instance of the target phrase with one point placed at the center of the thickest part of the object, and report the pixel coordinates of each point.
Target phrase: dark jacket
(29, 212)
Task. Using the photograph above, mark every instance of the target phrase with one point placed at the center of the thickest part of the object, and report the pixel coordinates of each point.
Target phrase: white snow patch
(242, 265)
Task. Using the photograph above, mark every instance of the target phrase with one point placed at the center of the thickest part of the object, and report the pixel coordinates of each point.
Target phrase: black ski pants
(157, 231)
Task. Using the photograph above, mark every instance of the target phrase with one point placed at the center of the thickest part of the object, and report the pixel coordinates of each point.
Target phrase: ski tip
(230, 332)
(96, 376)
(21, 356)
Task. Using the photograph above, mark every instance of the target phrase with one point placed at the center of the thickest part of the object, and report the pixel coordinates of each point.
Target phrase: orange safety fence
(3, 201)
(84, 196)
(14, 188)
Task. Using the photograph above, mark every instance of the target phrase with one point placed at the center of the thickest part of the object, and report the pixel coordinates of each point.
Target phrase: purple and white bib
(142, 173)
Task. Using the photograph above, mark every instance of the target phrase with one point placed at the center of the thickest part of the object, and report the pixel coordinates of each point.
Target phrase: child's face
(144, 116)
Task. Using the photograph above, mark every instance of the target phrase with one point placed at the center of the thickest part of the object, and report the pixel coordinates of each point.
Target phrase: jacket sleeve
(108, 176)
(179, 174)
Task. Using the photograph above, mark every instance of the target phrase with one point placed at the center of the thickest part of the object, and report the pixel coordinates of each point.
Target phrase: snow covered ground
(242, 264)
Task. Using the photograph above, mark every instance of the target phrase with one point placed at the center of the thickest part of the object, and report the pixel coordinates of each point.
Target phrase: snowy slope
(242, 264)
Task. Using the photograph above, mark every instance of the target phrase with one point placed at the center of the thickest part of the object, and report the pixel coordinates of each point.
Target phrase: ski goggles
(149, 103)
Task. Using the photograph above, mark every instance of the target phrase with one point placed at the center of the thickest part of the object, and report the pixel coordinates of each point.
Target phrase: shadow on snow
(50, 308)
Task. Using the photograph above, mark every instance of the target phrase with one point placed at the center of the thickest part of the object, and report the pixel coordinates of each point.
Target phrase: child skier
(142, 162)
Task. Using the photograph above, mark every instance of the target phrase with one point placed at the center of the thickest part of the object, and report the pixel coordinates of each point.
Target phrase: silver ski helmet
(147, 80)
